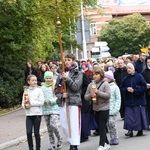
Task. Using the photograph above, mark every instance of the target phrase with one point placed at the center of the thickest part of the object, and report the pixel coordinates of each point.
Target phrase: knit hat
(109, 75)
(48, 74)
(85, 63)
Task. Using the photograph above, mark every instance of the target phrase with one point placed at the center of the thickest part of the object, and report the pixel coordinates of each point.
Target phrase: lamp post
(62, 59)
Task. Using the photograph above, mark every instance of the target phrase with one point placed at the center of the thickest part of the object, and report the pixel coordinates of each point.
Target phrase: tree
(125, 35)
(29, 32)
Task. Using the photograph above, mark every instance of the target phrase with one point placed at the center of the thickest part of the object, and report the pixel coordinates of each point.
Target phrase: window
(93, 29)
(148, 22)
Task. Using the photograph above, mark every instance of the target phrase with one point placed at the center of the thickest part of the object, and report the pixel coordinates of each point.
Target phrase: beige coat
(102, 96)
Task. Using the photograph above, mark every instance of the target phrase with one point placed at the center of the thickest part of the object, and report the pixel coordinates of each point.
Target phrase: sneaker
(115, 142)
(101, 148)
(107, 146)
(59, 144)
(111, 141)
(50, 148)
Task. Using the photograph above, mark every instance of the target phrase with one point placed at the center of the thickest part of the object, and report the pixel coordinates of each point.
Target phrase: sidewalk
(13, 130)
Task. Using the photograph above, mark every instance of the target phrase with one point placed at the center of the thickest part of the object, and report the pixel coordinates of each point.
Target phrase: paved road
(135, 143)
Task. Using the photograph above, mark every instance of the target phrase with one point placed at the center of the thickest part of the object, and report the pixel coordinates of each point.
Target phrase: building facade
(109, 9)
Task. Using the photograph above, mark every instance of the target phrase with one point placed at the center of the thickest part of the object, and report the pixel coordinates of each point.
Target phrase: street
(126, 143)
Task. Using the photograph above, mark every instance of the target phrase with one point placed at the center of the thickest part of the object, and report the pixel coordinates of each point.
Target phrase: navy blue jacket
(138, 83)
(139, 66)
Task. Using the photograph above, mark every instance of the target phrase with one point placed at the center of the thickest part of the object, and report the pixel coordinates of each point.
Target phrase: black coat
(34, 72)
(146, 75)
(86, 105)
(119, 74)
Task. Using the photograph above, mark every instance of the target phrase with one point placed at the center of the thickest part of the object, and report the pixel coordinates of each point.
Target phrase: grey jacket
(73, 88)
(102, 96)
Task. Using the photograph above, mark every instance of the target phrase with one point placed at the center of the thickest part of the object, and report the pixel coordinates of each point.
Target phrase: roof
(130, 9)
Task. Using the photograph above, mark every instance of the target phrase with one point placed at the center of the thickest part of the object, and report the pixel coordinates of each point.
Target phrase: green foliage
(125, 35)
(28, 31)
(11, 81)
(24, 36)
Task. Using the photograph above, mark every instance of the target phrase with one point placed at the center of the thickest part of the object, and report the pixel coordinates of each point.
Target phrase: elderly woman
(133, 87)
(101, 92)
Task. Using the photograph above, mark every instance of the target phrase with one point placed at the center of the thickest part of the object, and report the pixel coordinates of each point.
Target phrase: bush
(11, 82)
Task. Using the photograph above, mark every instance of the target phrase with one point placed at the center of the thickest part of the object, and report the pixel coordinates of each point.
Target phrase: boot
(83, 139)
(129, 133)
(139, 133)
(73, 147)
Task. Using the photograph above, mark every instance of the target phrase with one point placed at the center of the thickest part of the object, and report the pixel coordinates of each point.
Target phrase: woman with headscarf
(133, 88)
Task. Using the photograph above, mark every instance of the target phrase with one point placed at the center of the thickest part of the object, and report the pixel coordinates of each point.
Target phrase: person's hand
(130, 89)
(46, 102)
(65, 95)
(42, 83)
(148, 86)
(64, 75)
(95, 90)
(92, 94)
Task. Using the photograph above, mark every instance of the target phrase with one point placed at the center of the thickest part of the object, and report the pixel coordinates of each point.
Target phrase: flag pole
(63, 69)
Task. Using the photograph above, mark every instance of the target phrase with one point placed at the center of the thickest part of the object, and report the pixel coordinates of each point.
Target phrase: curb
(11, 111)
(17, 141)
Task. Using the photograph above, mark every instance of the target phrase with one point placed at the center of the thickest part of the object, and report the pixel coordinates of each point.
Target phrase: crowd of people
(88, 96)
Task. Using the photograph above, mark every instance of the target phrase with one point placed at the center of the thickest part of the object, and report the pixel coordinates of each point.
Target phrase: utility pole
(83, 34)
(71, 48)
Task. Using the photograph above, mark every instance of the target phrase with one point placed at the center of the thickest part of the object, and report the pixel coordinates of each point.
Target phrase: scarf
(73, 66)
(48, 84)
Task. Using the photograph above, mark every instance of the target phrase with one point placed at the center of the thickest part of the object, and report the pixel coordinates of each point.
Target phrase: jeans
(101, 118)
(33, 122)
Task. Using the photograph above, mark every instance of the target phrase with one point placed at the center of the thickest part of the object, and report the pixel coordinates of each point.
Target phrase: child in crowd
(101, 104)
(33, 100)
(115, 102)
(51, 110)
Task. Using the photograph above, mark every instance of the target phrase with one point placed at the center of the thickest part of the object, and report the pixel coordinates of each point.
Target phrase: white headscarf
(131, 66)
